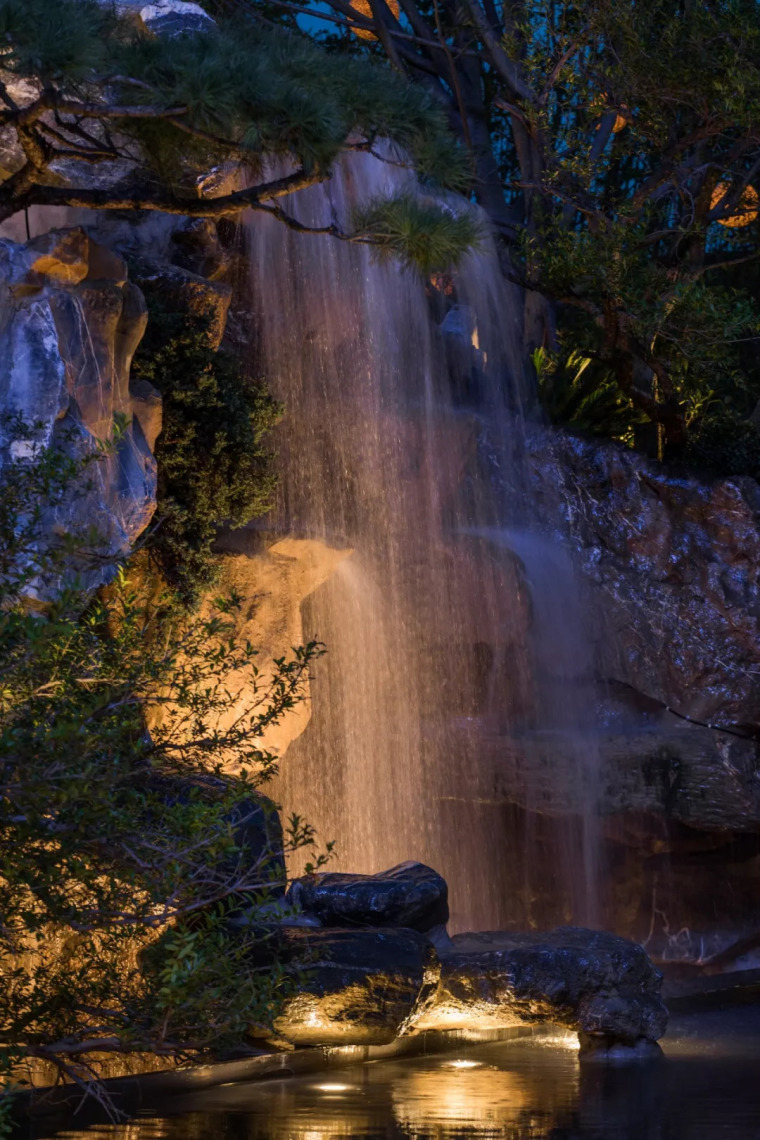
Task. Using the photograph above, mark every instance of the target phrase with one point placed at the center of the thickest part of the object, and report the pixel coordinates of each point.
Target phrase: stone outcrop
(600, 985)
(70, 321)
(362, 987)
(180, 289)
(363, 984)
(273, 583)
(671, 570)
(409, 895)
(371, 985)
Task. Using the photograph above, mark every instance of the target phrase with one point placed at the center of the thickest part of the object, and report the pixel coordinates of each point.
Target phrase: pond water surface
(707, 1087)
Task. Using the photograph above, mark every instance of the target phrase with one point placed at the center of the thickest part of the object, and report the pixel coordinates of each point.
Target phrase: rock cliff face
(674, 566)
(671, 566)
(70, 321)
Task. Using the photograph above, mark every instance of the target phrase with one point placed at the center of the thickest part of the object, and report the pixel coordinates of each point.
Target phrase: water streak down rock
(672, 564)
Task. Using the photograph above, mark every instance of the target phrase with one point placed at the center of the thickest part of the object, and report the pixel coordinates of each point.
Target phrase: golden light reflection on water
(424, 1098)
(484, 1100)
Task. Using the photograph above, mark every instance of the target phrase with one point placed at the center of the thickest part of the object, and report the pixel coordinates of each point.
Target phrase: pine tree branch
(35, 194)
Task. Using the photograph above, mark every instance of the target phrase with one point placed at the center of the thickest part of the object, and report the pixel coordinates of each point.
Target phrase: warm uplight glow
(563, 1041)
(746, 210)
(621, 120)
(622, 112)
(333, 1088)
(364, 8)
(437, 1101)
(463, 1064)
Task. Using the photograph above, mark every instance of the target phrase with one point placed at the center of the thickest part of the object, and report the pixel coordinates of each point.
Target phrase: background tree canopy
(616, 149)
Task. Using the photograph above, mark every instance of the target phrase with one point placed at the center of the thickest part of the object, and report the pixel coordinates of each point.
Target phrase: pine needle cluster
(423, 234)
(166, 109)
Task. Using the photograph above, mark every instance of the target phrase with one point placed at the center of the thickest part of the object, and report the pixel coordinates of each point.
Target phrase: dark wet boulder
(604, 987)
(409, 895)
(359, 987)
(257, 831)
(254, 821)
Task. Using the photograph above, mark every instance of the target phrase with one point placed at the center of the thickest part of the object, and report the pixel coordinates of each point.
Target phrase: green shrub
(213, 466)
(113, 837)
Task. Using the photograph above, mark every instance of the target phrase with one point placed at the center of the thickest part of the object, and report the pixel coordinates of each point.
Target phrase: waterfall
(453, 631)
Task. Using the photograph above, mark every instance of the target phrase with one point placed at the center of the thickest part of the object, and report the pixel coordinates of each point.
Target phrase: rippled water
(706, 1088)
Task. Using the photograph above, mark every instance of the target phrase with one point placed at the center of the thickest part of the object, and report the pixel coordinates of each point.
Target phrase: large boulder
(181, 290)
(70, 321)
(408, 895)
(597, 984)
(361, 987)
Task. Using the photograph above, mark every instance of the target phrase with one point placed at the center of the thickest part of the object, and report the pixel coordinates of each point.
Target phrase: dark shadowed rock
(362, 987)
(255, 823)
(410, 895)
(183, 291)
(258, 835)
(595, 983)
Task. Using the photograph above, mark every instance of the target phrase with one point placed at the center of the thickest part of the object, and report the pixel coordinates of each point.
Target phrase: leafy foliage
(581, 395)
(419, 233)
(169, 108)
(213, 467)
(123, 851)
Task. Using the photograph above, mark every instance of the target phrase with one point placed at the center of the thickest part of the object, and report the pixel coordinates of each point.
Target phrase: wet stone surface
(410, 895)
(361, 987)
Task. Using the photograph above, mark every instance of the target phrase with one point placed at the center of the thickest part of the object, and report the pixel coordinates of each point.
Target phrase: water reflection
(706, 1089)
(487, 1101)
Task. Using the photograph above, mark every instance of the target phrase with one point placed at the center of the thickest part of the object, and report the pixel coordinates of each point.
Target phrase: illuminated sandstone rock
(272, 583)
